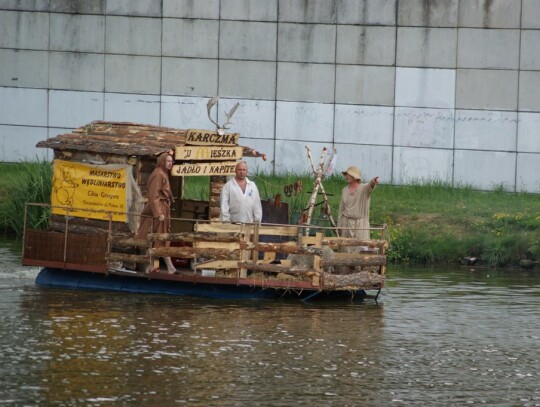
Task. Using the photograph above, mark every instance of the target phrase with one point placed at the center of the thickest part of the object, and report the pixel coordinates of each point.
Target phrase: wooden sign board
(204, 169)
(189, 153)
(197, 137)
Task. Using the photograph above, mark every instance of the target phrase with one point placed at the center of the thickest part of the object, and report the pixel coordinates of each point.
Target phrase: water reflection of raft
(93, 248)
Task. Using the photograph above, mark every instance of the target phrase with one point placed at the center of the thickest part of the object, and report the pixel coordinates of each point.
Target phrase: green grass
(22, 183)
(430, 223)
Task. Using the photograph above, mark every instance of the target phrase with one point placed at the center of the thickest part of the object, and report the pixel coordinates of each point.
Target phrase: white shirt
(238, 206)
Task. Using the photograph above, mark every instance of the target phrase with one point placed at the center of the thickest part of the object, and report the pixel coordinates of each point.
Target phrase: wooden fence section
(236, 249)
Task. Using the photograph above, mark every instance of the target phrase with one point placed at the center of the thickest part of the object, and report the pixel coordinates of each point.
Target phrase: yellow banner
(90, 191)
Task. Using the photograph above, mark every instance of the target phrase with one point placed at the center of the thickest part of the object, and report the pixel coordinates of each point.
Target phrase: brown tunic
(159, 202)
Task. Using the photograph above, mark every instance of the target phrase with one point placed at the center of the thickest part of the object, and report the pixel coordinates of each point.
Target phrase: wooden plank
(201, 137)
(274, 268)
(128, 258)
(208, 153)
(196, 237)
(218, 245)
(193, 252)
(219, 227)
(217, 264)
(370, 260)
(204, 169)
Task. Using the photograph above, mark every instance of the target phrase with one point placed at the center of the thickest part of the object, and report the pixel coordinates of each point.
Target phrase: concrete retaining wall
(409, 90)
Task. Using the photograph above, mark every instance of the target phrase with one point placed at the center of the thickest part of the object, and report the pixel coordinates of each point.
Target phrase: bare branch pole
(325, 197)
(316, 185)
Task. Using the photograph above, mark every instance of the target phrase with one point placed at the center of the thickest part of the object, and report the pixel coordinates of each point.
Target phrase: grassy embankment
(428, 224)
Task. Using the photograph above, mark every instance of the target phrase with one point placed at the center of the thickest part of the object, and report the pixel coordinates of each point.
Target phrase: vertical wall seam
(453, 179)
(393, 147)
(274, 148)
(517, 96)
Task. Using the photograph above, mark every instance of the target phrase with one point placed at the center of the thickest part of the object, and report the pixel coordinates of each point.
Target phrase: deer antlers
(220, 129)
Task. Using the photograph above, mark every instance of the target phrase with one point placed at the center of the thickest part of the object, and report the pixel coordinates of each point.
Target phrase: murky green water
(437, 337)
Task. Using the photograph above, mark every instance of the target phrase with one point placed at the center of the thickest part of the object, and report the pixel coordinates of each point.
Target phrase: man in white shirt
(240, 200)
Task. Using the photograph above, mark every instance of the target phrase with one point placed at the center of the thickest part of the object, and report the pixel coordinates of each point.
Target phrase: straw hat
(353, 172)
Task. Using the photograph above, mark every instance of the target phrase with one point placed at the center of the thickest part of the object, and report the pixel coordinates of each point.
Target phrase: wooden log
(128, 258)
(363, 279)
(274, 268)
(120, 241)
(343, 241)
(365, 260)
(281, 248)
(192, 252)
(189, 237)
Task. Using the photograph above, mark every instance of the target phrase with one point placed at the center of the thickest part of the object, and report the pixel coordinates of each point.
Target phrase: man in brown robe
(157, 210)
(354, 206)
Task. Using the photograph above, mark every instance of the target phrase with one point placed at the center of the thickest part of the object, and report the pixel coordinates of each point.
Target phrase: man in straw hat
(354, 206)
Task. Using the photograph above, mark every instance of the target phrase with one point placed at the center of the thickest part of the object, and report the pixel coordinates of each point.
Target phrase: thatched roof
(123, 138)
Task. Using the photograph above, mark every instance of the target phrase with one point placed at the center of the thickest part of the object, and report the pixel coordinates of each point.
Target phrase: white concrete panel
(530, 17)
(373, 161)
(367, 12)
(364, 124)
(132, 74)
(187, 76)
(149, 8)
(77, 7)
(31, 5)
(306, 43)
(485, 170)
(426, 47)
(76, 71)
(133, 35)
(488, 89)
(81, 33)
(528, 170)
(190, 38)
(302, 82)
(23, 106)
(425, 87)
(490, 13)
(312, 122)
(249, 10)
(18, 143)
(291, 156)
(529, 89)
(258, 165)
(24, 30)
(530, 50)
(253, 119)
(191, 9)
(422, 13)
(247, 79)
(488, 49)
(73, 109)
(365, 85)
(302, 11)
(132, 108)
(485, 130)
(28, 69)
(185, 112)
(421, 165)
(529, 133)
(247, 40)
(365, 45)
(424, 127)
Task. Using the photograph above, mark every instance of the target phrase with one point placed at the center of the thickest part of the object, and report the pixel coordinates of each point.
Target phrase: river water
(437, 337)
